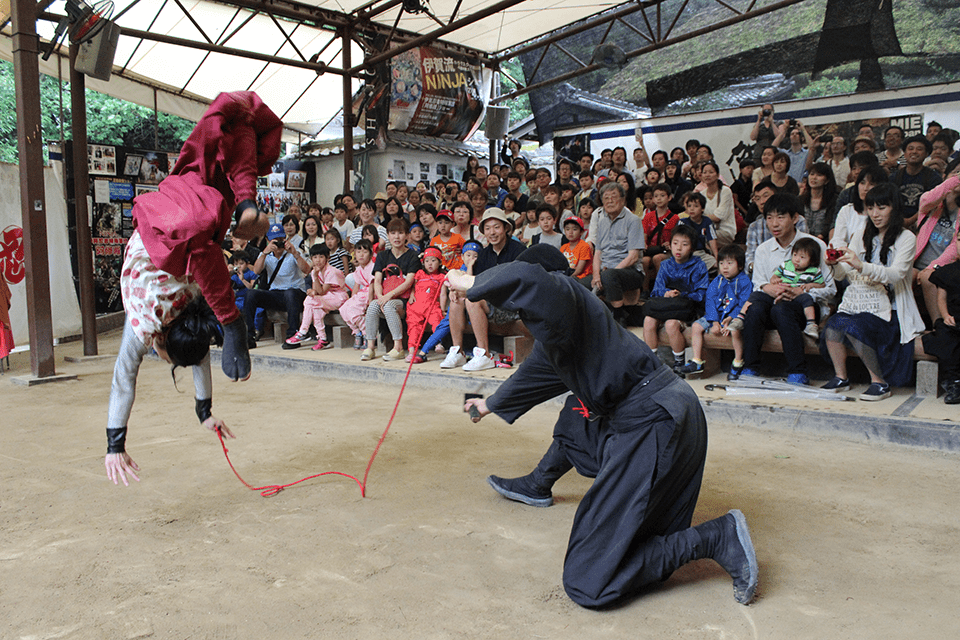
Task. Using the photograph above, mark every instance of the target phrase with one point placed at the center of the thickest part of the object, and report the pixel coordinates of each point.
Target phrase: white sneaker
(454, 359)
(480, 361)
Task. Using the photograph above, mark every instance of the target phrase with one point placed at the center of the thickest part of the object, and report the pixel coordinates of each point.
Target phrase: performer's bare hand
(459, 281)
(481, 408)
(216, 424)
(119, 465)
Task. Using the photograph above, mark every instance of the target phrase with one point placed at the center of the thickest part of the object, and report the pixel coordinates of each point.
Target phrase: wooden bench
(928, 369)
(342, 336)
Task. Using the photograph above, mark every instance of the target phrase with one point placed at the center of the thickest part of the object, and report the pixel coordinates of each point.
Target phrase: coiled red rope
(273, 489)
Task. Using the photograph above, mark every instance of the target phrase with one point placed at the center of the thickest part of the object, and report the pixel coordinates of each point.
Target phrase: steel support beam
(435, 35)
(26, 70)
(347, 116)
(663, 43)
(81, 182)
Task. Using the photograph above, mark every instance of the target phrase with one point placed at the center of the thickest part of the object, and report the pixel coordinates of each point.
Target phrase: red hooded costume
(185, 221)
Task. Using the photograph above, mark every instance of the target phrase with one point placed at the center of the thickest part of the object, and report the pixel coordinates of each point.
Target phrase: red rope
(273, 489)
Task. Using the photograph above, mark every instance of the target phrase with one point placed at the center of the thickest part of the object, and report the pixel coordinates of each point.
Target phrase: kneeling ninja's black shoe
(522, 490)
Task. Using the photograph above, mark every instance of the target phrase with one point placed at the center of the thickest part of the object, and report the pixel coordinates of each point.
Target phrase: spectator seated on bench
(393, 273)
(285, 268)
(501, 248)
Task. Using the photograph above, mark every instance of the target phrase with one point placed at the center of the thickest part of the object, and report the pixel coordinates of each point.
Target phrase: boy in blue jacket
(677, 294)
(726, 295)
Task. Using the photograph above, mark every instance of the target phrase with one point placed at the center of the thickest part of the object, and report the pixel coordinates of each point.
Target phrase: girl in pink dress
(354, 310)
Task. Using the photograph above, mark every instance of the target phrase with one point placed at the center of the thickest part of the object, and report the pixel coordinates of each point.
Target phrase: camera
(793, 122)
(766, 112)
(826, 138)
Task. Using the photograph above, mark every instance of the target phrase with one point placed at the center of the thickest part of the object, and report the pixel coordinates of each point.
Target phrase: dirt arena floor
(854, 540)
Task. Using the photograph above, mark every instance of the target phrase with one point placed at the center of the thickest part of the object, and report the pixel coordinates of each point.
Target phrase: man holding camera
(764, 131)
(286, 289)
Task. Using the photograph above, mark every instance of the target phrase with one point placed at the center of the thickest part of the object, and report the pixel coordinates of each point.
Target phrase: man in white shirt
(773, 305)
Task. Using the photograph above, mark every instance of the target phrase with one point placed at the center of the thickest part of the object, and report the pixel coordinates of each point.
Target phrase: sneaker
(747, 371)
(876, 391)
(480, 361)
(692, 368)
(368, 354)
(418, 359)
(439, 349)
(297, 338)
(952, 389)
(454, 359)
(837, 385)
(358, 341)
(522, 490)
(798, 379)
(735, 373)
(734, 552)
(323, 344)
(290, 345)
(251, 342)
(736, 324)
(394, 354)
(812, 330)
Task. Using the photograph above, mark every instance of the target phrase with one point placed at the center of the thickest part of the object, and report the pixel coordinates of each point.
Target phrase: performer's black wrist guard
(243, 206)
(116, 439)
(204, 409)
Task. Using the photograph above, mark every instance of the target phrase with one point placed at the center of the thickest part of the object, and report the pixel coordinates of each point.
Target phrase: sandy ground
(854, 540)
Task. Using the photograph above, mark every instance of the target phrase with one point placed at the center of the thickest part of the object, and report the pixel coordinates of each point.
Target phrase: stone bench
(928, 368)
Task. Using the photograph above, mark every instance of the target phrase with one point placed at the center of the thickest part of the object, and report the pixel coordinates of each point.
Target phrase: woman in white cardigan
(719, 204)
(878, 317)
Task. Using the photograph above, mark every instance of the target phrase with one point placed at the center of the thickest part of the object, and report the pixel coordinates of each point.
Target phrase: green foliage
(519, 106)
(109, 120)
(827, 86)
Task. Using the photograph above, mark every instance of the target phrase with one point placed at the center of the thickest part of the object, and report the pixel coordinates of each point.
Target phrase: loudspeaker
(95, 57)
(498, 122)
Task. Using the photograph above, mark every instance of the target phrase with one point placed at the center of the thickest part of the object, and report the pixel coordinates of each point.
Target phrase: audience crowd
(853, 247)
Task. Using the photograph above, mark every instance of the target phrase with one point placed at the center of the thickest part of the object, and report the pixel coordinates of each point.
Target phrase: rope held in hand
(273, 489)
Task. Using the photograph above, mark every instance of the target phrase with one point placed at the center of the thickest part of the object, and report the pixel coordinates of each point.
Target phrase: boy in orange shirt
(450, 244)
(578, 252)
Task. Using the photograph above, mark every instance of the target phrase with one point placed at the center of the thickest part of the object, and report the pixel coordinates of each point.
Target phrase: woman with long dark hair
(819, 200)
(878, 316)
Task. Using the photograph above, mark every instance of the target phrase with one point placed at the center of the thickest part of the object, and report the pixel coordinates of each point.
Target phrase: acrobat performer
(631, 424)
(174, 282)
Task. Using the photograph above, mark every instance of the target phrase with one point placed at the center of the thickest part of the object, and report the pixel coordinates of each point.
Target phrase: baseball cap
(575, 220)
(444, 213)
(493, 213)
(472, 245)
(276, 231)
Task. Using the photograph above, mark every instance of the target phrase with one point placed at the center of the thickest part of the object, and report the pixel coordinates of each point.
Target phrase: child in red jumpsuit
(183, 223)
(423, 308)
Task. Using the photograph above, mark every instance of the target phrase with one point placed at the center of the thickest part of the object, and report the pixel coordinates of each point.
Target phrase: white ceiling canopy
(179, 54)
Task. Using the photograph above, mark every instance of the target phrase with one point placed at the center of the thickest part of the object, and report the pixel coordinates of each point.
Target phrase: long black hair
(883, 195)
(190, 333)
(631, 190)
(877, 175)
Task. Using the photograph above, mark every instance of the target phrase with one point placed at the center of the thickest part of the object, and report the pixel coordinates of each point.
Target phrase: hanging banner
(437, 93)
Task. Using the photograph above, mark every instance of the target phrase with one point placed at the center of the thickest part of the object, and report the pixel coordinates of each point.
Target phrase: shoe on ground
(735, 373)
(290, 345)
(812, 330)
(358, 341)
(323, 344)
(418, 359)
(692, 368)
(798, 379)
(439, 349)
(251, 342)
(297, 338)
(521, 490)
(876, 391)
(837, 385)
(394, 354)
(747, 371)
(368, 354)
(734, 552)
(454, 359)
(952, 389)
(736, 324)
(480, 361)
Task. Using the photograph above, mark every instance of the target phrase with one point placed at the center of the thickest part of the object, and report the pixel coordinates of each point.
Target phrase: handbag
(677, 308)
(393, 278)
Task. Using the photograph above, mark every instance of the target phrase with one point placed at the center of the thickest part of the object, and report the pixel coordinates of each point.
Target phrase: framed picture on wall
(132, 165)
(296, 180)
